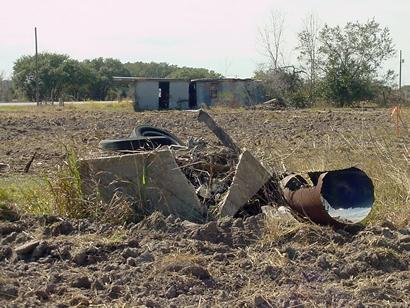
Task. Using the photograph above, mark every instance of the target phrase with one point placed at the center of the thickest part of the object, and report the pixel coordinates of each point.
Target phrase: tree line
(341, 64)
(60, 76)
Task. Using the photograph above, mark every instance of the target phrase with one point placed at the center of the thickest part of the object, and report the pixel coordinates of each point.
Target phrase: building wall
(406, 92)
(203, 93)
(147, 92)
(179, 94)
(229, 92)
(210, 92)
(146, 95)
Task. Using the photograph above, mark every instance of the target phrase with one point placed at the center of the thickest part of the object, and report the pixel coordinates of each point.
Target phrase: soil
(47, 132)
(166, 262)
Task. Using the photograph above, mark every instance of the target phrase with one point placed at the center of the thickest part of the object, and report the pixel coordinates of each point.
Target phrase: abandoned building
(157, 93)
(227, 92)
(163, 93)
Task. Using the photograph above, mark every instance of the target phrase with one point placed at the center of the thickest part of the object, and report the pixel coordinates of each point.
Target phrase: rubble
(199, 184)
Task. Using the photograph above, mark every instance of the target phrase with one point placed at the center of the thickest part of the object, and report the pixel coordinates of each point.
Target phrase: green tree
(165, 70)
(103, 71)
(51, 73)
(152, 69)
(351, 59)
(193, 73)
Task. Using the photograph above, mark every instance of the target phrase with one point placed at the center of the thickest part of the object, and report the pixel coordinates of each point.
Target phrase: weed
(66, 189)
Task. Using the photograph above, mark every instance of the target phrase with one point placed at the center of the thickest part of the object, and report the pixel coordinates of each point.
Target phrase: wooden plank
(218, 131)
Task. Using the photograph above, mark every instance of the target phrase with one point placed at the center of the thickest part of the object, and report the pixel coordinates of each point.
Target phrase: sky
(220, 35)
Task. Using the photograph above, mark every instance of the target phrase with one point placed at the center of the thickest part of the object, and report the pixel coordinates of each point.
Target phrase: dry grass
(180, 258)
(384, 156)
(374, 148)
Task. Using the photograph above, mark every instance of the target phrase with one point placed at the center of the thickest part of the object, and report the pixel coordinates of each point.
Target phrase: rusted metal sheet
(338, 197)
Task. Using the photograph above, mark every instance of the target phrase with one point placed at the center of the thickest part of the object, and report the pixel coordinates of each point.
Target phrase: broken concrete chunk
(249, 177)
(152, 181)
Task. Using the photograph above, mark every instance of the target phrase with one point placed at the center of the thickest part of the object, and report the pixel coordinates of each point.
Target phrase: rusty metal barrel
(337, 197)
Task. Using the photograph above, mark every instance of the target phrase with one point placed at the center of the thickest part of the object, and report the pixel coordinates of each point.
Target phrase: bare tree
(308, 49)
(271, 39)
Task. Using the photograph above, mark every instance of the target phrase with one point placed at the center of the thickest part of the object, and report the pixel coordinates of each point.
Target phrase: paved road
(56, 103)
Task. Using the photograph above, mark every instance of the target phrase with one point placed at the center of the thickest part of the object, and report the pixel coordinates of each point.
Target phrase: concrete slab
(152, 181)
(250, 176)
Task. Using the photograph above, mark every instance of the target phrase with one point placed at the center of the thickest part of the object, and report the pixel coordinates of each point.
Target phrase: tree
(308, 44)
(153, 69)
(193, 73)
(351, 59)
(165, 70)
(63, 77)
(271, 39)
(279, 80)
(52, 75)
(103, 71)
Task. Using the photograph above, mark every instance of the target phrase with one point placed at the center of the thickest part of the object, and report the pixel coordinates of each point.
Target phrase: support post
(36, 59)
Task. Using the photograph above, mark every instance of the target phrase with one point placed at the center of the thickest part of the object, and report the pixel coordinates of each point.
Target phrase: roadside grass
(88, 105)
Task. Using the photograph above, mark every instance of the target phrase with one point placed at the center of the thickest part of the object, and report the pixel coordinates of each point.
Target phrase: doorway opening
(192, 96)
(163, 95)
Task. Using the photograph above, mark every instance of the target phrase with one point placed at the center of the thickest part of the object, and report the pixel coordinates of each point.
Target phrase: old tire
(151, 131)
(135, 144)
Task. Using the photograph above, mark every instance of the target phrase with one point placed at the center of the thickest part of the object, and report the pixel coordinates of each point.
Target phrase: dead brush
(392, 185)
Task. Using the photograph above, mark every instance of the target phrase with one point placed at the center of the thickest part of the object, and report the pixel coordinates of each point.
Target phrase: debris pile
(272, 104)
(210, 171)
(199, 183)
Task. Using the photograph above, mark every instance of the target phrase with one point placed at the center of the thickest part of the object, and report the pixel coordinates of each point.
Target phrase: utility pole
(36, 59)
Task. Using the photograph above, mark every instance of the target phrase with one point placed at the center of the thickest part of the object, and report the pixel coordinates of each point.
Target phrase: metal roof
(222, 79)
